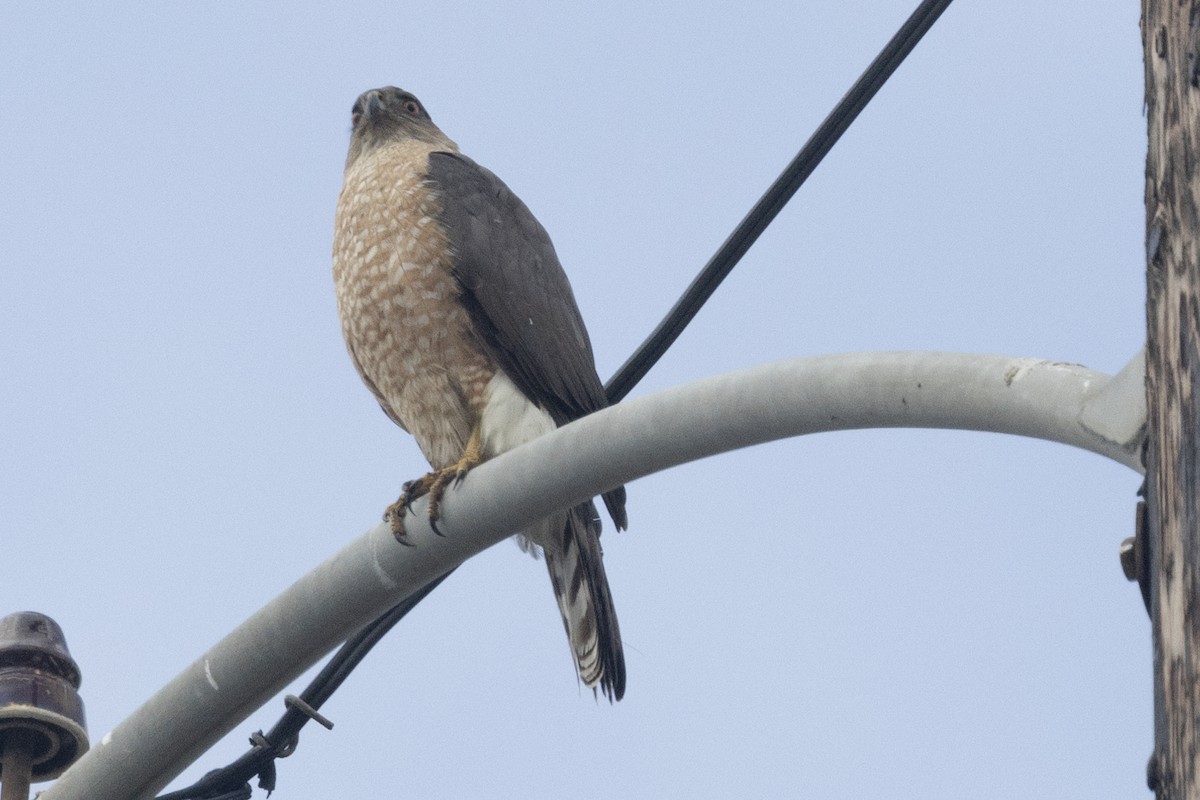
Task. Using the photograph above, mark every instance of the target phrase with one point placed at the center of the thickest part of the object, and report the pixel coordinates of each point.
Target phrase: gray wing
(514, 288)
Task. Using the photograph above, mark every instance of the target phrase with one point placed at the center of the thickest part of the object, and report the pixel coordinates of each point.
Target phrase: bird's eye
(412, 107)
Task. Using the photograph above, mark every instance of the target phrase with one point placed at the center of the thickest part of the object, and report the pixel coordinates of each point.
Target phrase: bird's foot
(440, 479)
(393, 515)
(433, 484)
(409, 493)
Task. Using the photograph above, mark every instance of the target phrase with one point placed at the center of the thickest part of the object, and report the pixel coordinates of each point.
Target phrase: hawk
(461, 321)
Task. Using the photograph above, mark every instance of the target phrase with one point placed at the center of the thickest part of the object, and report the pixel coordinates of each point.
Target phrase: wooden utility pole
(1171, 42)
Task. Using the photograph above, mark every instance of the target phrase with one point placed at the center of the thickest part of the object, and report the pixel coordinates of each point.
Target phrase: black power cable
(775, 198)
(232, 781)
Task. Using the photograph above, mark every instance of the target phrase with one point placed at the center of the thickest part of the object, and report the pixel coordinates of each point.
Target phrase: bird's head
(388, 115)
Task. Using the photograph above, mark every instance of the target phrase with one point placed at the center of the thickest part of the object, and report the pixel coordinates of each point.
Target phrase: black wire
(775, 198)
(231, 781)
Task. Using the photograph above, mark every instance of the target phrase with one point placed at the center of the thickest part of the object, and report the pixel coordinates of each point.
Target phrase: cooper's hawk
(460, 319)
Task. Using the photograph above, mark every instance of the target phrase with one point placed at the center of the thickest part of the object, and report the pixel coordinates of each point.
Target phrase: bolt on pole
(16, 769)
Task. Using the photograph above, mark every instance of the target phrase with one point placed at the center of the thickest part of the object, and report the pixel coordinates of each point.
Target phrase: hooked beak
(369, 105)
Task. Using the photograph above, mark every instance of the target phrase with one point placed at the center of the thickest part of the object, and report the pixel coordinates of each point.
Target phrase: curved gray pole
(1060, 402)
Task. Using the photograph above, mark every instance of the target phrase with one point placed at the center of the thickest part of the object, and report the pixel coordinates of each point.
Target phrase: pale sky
(878, 613)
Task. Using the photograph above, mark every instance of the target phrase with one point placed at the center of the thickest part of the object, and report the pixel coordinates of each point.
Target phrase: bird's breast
(404, 324)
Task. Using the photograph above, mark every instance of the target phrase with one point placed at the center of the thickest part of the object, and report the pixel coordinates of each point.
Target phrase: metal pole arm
(1060, 402)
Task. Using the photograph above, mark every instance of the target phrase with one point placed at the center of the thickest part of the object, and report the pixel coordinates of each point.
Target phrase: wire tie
(291, 701)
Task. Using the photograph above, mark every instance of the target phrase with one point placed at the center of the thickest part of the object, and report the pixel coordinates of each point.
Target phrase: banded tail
(576, 569)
